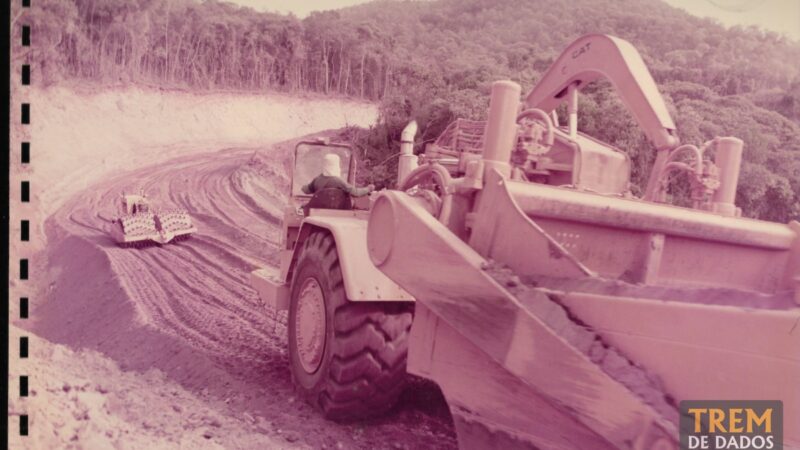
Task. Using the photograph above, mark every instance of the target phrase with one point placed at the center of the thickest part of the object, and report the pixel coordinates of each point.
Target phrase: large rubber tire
(363, 366)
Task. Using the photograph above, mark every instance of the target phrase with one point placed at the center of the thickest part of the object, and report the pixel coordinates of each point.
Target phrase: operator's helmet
(331, 165)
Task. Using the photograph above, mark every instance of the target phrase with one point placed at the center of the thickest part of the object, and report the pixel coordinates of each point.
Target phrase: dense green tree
(434, 61)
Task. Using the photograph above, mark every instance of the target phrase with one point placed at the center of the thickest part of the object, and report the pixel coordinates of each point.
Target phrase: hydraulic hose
(442, 178)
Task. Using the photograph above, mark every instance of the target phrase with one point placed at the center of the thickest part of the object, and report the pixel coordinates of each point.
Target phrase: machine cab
(134, 204)
(308, 159)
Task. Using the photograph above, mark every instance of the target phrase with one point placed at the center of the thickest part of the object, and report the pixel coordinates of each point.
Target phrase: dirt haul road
(170, 341)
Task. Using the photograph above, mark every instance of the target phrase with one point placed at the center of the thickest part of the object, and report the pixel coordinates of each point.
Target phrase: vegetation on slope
(434, 61)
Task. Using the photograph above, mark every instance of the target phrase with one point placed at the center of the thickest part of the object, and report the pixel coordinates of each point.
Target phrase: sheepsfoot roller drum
(139, 226)
(135, 230)
(175, 225)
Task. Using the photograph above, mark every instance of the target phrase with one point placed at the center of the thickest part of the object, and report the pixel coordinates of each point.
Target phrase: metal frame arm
(598, 55)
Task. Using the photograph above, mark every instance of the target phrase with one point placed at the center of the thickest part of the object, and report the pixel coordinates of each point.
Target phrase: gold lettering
(764, 419)
(734, 420)
(697, 413)
(715, 418)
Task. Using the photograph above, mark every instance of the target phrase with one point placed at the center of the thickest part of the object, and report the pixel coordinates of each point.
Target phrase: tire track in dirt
(211, 306)
(187, 309)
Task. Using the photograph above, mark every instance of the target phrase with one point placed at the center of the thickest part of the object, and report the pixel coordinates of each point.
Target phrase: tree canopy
(434, 61)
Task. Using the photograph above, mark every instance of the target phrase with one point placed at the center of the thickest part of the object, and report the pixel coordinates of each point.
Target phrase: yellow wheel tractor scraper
(140, 226)
(514, 267)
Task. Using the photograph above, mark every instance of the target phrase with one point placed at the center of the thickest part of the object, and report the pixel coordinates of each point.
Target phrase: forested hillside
(434, 61)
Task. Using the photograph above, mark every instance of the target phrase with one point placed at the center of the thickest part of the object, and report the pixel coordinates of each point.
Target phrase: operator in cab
(331, 177)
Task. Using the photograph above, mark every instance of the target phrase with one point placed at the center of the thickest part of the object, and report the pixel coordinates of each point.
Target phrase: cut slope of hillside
(79, 136)
(83, 395)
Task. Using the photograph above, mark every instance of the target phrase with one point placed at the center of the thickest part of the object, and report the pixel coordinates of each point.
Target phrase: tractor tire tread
(367, 371)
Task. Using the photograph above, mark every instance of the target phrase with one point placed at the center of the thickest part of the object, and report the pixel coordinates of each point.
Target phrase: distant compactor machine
(140, 226)
(514, 268)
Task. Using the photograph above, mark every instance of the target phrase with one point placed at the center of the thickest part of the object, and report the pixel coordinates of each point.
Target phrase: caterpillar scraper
(140, 226)
(514, 267)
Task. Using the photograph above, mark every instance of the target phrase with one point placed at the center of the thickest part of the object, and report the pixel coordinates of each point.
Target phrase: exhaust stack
(501, 126)
(728, 159)
(408, 160)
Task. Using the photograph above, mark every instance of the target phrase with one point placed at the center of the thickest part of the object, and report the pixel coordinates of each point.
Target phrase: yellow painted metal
(728, 158)
(310, 324)
(483, 395)
(611, 236)
(271, 288)
(362, 280)
(704, 301)
(703, 351)
(501, 127)
(502, 329)
(600, 56)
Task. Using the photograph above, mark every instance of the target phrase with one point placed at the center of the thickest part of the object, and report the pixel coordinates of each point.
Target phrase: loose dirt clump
(548, 308)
